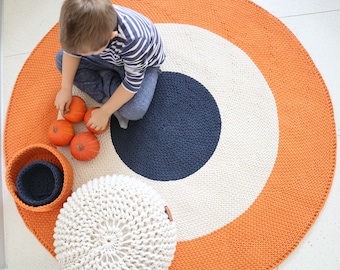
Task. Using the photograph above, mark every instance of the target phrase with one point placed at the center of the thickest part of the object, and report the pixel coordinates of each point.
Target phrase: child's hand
(63, 100)
(99, 119)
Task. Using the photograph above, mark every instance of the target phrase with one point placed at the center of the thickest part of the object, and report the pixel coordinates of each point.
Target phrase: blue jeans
(101, 88)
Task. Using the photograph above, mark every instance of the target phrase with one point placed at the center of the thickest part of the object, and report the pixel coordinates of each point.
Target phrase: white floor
(316, 24)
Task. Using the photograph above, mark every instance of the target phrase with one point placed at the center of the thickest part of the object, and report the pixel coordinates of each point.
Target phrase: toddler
(113, 54)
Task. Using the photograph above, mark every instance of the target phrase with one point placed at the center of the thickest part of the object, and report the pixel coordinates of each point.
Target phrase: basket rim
(12, 173)
(55, 178)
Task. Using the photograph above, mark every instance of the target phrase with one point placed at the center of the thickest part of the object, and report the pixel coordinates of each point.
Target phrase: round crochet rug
(239, 140)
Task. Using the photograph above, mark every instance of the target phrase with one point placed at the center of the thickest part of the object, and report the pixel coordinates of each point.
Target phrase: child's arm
(101, 116)
(69, 68)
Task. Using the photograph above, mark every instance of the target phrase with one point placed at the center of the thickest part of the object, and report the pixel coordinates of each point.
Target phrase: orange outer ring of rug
(298, 186)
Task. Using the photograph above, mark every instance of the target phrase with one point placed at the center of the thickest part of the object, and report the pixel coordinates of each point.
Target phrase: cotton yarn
(39, 183)
(195, 133)
(40, 179)
(114, 222)
(273, 226)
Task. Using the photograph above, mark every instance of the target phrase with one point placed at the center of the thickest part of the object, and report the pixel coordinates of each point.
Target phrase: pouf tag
(168, 212)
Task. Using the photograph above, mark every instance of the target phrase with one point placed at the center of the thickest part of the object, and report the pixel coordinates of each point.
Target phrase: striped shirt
(137, 46)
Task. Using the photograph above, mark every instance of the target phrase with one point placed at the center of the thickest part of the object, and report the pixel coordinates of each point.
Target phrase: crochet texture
(39, 183)
(300, 181)
(114, 222)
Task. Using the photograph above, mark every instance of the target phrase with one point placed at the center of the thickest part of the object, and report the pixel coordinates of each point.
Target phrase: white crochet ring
(114, 222)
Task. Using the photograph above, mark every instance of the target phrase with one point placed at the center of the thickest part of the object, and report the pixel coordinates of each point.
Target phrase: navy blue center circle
(177, 135)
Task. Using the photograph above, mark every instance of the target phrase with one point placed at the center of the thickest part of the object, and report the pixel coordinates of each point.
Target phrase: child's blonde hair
(86, 25)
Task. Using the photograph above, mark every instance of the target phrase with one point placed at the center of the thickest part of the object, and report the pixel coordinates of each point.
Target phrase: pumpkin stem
(55, 129)
(80, 147)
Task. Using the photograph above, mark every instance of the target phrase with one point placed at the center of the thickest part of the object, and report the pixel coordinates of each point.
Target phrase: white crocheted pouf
(114, 222)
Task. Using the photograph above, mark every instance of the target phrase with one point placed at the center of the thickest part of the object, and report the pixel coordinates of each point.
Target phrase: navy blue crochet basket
(39, 182)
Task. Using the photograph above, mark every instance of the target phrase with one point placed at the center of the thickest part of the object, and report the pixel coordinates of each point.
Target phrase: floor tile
(320, 248)
(23, 251)
(21, 37)
(13, 65)
(320, 35)
(287, 8)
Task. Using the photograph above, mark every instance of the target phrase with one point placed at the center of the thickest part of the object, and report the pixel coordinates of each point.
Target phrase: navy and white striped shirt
(137, 46)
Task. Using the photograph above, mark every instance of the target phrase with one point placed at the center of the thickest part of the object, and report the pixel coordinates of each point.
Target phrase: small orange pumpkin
(60, 132)
(76, 111)
(87, 118)
(84, 146)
